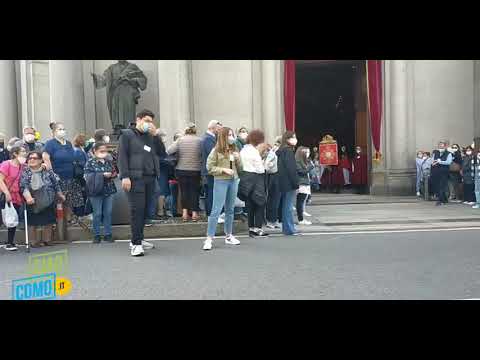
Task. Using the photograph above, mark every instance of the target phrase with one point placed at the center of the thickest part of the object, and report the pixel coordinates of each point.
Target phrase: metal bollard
(61, 233)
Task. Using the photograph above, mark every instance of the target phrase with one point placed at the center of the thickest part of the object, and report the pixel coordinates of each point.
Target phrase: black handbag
(171, 160)
(78, 170)
(43, 200)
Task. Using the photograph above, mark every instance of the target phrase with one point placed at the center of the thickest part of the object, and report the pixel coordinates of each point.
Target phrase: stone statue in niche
(124, 82)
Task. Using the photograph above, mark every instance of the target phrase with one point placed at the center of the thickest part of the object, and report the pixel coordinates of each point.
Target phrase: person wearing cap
(242, 135)
(209, 142)
(29, 143)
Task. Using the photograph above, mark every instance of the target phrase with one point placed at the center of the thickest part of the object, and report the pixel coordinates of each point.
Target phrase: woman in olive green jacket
(224, 164)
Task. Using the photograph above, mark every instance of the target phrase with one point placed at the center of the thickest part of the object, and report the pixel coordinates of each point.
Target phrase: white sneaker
(304, 222)
(418, 194)
(278, 225)
(137, 250)
(232, 240)
(271, 225)
(145, 244)
(306, 214)
(208, 244)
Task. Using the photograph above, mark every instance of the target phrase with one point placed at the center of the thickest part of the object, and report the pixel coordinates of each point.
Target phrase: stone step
(157, 231)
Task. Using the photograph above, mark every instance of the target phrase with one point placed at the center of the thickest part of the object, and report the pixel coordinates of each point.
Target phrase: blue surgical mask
(146, 127)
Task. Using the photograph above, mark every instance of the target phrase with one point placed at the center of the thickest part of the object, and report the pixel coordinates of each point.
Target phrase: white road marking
(333, 233)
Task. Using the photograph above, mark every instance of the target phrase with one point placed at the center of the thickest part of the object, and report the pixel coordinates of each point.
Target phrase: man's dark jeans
(273, 200)
(138, 198)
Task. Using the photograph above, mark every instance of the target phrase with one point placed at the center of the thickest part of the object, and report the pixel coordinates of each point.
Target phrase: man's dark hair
(99, 134)
(145, 113)
(98, 145)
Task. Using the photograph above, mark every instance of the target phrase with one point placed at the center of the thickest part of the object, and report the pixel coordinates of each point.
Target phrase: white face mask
(293, 141)
(308, 154)
(469, 153)
(29, 138)
(61, 134)
(231, 140)
(424, 158)
(420, 156)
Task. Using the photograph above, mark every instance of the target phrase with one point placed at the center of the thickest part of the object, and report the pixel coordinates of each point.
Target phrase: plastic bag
(10, 216)
(239, 203)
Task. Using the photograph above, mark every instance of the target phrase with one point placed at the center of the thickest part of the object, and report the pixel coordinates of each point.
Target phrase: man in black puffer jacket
(138, 164)
(288, 181)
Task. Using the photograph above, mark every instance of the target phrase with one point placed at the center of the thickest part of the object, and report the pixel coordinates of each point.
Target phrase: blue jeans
(102, 213)
(224, 195)
(477, 197)
(288, 225)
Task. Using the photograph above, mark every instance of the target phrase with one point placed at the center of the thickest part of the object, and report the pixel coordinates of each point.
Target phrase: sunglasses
(33, 158)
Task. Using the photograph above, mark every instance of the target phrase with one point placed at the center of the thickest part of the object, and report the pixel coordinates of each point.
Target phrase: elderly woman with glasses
(40, 187)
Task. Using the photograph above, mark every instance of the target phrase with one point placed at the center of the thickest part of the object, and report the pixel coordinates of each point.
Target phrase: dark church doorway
(331, 99)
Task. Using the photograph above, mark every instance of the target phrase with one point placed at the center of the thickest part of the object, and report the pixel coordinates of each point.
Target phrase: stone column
(8, 99)
(400, 132)
(67, 98)
(174, 81)
(273, 117)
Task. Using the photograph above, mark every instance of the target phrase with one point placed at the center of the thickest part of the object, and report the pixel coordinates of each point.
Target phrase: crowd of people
(234, 171)
(449, 173)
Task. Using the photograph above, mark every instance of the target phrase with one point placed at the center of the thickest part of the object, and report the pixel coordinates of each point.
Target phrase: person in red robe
(341, 173)
(360, 169)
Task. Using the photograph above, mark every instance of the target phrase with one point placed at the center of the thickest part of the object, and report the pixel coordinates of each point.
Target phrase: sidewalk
(346, 212)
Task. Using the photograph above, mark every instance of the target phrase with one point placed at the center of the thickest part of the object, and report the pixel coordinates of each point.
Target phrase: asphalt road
(411, 265)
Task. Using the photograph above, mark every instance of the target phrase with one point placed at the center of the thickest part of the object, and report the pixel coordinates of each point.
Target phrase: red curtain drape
(375, 102)
(289, 94)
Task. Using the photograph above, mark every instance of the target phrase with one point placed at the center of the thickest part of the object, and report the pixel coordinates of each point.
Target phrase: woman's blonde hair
(223, 147)
(191, 129)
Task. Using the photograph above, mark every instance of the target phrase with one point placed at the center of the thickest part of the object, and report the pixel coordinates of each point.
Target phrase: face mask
(145, 127)
(293, 141)
(358, 151)
(9, 147)
(469, 153)
(29, 138)
(61, 134)
(424, 158)
(307, 154)
(441, 150)
(420, 156)
(101, 155)
(22, 159)
(106, 139)
(231, 140)
(454, 150)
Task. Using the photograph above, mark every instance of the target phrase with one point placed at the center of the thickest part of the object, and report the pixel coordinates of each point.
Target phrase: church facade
(424, 101)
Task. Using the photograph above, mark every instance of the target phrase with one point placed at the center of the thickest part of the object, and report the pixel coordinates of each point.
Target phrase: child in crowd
(99, 175)
(304, 167)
